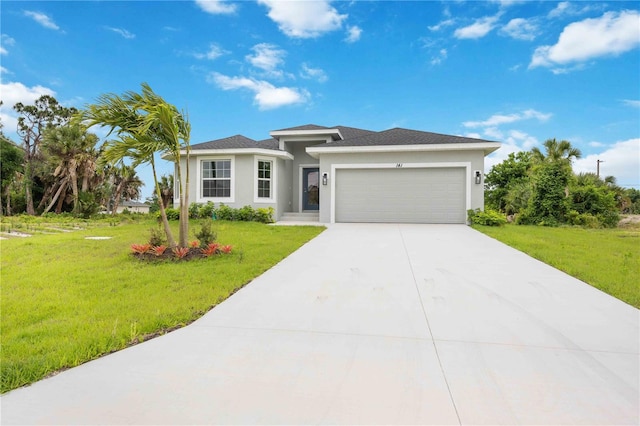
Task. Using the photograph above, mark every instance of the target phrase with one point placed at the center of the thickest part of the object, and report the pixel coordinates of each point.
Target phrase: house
(344, 174)
(133, 207)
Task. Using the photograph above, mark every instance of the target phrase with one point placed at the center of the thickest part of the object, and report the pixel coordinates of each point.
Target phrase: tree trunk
(184, 201)
(165, 222)
(184, 218)
(55, 197)
(116, 197)
(27, 190)
(74, 187)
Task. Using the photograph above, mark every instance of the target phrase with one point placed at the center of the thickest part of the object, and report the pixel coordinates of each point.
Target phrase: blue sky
(514, 72)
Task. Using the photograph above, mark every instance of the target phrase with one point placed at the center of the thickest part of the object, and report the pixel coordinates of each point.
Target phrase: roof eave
(234, 151)
(486, 147)
(334, 133)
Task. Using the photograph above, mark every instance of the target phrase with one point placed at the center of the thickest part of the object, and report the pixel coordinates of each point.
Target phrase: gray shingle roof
(352, 132)
(306, 127)
(399, 136)
(235, 142)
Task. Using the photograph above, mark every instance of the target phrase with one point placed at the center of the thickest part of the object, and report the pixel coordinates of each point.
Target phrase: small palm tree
(145, 125)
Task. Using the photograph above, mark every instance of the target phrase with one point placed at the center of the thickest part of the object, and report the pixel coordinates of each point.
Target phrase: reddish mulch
(193, 253)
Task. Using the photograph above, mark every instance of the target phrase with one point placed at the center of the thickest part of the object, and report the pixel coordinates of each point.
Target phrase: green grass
(608, 259)
(67, 300)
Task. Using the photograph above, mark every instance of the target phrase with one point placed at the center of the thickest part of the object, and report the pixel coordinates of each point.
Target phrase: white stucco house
(344, 174)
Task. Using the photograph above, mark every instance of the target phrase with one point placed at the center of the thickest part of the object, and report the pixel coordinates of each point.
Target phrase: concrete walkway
(373, 324)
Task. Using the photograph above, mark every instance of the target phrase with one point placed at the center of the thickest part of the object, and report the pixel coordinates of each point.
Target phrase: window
(264, 178)
(216, 179)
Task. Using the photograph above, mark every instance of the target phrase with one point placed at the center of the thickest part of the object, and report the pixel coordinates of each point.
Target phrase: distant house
(344, 174)
(133, 207)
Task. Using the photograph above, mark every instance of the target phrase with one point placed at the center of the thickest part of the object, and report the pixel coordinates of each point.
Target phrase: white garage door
(403, 195)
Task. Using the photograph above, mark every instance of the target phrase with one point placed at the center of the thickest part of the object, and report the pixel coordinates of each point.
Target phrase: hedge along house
(344, 174)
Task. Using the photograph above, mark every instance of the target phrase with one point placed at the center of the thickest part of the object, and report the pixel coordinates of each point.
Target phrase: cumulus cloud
(42, 19)
(3, 70)
(5, 40)
(267, 57)
(521, 29)
(266, 95)
(480, 28)
(216, 7)
(571, 9)
(310, 73)
(14, 92)
(212, 54)
(304, 19)
(441, 56)
(513, 141)
(442, 24)
(622, 160)
(498, 119)
(353, 34)
(609, 35)
(124, 33)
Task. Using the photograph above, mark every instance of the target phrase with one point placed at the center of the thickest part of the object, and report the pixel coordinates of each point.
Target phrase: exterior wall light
(478, 177)
(324, 178)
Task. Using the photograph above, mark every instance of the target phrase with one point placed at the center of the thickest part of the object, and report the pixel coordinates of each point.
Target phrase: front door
(311, 189)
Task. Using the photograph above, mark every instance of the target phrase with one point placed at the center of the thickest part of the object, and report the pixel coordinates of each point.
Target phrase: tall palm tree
(145, 125)
(556, 151)
(127, 185)
(69, 147)
(166, 189)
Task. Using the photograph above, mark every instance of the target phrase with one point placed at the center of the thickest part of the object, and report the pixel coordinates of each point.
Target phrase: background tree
(505, 176)
(556, 152)
(71, 149)
(127, 185)
(11, 164)
(32, 122)
(145, 125)
(166, 190)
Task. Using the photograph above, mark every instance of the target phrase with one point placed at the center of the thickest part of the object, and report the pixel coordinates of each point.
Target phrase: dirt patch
(630, 221)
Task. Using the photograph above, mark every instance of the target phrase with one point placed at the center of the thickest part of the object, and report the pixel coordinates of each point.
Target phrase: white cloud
(124, 33)
(3, 70)
(14, 92)
(267, 57)
(353, 34)
(442, 24)
(266, 95)
(480, 28)
(493, 132)
(622, 160)
(570, 9)
(5, 40)
(216, 7)
(42, 19)
(632, 103)
(304, 19)
(498, 119)
(612, 34)
(441, 56)
(515, 141)
(561, 9)
(213, 53)
(596, 144)
(313, 73)
(521, 29)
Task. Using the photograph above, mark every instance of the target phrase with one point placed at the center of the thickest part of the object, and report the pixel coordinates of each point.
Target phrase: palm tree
(556, 151)
(145, 125)
(166, 189)
(126, 183)
(70, 148)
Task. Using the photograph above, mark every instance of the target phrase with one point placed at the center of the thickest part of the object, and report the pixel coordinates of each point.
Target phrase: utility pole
(598, 168)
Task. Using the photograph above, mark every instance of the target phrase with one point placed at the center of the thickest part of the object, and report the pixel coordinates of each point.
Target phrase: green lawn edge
(607, 259)
(66, 300)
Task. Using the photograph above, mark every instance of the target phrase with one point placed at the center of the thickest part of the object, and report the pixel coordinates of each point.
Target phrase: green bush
(225, 212)
(172, 214)
(206, 210)
(194, 211)
(487, 218)
(156, 237)
(245, 214)
(206, 235)
(264, 215)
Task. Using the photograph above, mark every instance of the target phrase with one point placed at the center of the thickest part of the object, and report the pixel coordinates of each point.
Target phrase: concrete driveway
(373, 324)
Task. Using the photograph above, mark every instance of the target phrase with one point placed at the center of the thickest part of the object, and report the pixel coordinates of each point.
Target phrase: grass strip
(608, 259)
(67, 300)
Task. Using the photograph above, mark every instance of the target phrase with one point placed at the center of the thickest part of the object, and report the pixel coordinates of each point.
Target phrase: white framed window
(215, 176)
(264, 178)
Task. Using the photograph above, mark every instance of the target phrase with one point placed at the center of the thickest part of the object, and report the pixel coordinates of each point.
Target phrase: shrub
(156, 237)
(194, 210)
(487, 218)
(206, 235)
(172, 214)
(140, 248)
(245, 214)
(206, 210)
(264, 215)
(225, 212)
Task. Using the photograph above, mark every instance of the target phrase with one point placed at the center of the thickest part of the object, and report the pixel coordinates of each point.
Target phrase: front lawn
(608, 259)
(67, 300)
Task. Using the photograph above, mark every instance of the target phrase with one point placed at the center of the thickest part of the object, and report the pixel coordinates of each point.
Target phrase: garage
(401, 195)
